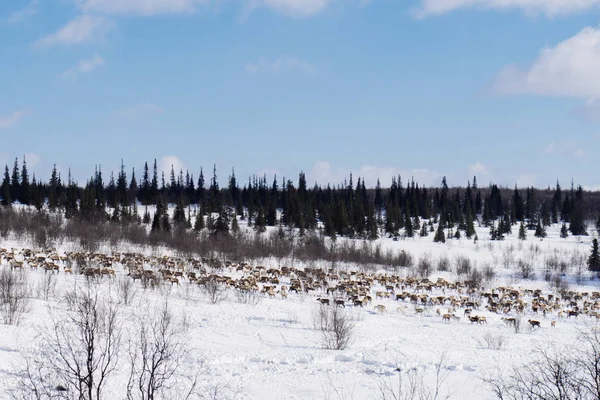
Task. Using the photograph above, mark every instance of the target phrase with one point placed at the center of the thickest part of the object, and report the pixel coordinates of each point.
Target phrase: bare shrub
(249, 297)
(517, 325)
(463, 265)
(559, 284)
(14, 296)
(552, 263)
(404, 259)
(215, 291)
(488, 273)
(80, 350)
(475, 277)
(409, 384)
(508, 256)
(335, 326)
(155, 357)
(46, 288)
(525, 269)
(443, 264)
(493, 342)
(555, 373)
(424, 267)
(126, 291)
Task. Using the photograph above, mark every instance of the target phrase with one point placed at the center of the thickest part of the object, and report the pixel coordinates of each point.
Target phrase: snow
(271, 350)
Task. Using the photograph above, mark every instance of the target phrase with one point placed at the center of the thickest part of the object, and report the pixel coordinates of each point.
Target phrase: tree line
(348, 209)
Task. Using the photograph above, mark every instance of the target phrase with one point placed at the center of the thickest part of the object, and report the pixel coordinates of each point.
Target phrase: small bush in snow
(488, 273)
(525, 269)
(14, 296)
(424, 267)
(463, 265)
(443, 264)
(249, 297)
(493, 342)
(335, 327)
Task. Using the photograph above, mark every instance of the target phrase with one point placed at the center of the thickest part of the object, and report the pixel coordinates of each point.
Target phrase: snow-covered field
(271, 350)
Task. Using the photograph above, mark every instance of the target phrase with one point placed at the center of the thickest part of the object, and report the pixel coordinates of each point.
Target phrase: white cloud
(32, 159)
(24, 13)
(578, 153)
(7, 121)
(165, 163)
(324, 173)
(294, 8)
(281, 65)
(137, 111)
(526, 180)
(567, 148)
(478, 169)
(590, 111)
(83, 66)
(82, 29)
(548, 7)
(139, 7)
(571, 68)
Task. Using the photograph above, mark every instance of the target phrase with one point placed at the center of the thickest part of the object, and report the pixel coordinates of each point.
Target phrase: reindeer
(534, 323)
(340, 303)
(323, 301)
(380, 308)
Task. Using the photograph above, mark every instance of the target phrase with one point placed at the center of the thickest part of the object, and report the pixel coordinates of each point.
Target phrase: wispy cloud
(478, 169)
(571, 68)
(138, 111)
(19, 16)
(292, 8)
(281, 65)
(82, 67)
(82, 29)
(10, 120)
(166, 162)
(139, 7)
(32, 159)
(590, 111)
(549, 8)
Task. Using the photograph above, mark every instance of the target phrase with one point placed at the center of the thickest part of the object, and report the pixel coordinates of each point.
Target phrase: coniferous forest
(403, 209)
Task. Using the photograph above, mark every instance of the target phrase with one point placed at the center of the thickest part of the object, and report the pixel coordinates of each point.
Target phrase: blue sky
(505, 90)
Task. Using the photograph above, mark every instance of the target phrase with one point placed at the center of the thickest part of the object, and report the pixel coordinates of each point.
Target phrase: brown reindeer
(323, 301)
(534, 323)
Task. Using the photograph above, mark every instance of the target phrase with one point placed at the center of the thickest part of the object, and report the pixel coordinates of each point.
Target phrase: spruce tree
(15, 181)
(540, 231)
(424, 231)
(235, 227)
(179, 213)
(594, 259)
(221, 224)
(469, 226)
(457, 234)
(199, 222)
(564, 232)
(522, 231)
(146, 220)
(260, 224)
(597, 222)
(6, 195)
(115, 215)
(155, 222)
(440, 236)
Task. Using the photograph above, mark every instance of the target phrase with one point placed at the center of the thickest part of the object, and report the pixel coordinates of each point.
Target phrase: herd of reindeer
(335, 289)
